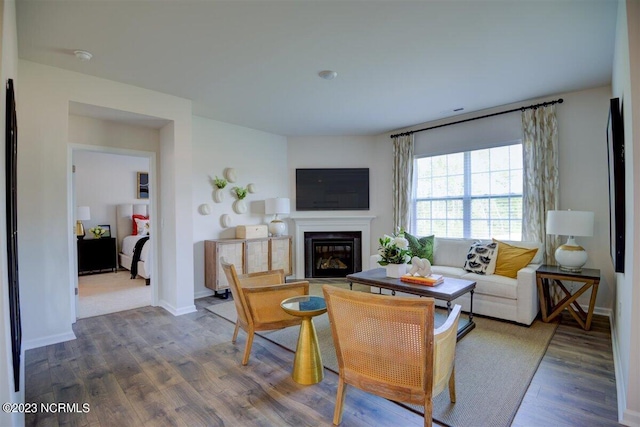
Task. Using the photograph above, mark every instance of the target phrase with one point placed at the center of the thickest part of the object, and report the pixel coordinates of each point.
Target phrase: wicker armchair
(387, 346)
(257, 297)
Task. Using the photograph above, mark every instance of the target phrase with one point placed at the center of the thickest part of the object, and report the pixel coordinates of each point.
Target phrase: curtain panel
(402, 181)
(540, 170)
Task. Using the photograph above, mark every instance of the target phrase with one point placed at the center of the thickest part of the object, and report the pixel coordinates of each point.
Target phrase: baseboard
(48, 340)
(204, 293)
(177, 311)
(630, 418)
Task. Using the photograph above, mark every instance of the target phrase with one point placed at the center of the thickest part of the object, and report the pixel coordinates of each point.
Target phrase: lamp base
(80, 230)
(571, 258)
(276, 228)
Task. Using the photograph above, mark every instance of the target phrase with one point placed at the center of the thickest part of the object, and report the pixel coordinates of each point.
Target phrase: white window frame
(466, 198)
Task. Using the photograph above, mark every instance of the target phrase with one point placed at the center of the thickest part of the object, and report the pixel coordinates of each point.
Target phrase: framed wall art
(143, 185)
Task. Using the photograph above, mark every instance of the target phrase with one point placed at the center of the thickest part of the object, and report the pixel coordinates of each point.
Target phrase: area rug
(495, 363)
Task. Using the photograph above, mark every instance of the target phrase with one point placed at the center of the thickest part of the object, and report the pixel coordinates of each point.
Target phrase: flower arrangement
(241, 192)
(220, 182)
(97, 231)
(394, 249)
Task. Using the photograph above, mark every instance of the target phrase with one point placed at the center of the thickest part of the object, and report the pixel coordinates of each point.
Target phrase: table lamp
(279, 205)
(570, 256)
(82, 214)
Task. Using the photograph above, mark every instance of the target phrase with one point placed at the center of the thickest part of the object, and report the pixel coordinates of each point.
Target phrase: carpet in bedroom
(109, 293)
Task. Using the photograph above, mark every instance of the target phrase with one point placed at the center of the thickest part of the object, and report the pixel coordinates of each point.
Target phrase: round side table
(307, 364)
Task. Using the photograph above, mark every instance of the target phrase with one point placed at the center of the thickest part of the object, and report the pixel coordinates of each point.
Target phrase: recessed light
(328, 74)
(83, 55)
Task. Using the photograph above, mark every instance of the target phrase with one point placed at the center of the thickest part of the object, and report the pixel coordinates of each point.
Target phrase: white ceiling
(399, 63)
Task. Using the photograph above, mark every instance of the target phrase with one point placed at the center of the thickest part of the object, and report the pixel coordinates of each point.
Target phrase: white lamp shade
(570, 223)
(83, 213)
(279, 205)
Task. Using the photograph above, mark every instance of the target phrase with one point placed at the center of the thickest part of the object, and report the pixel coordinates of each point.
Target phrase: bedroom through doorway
(103, 180)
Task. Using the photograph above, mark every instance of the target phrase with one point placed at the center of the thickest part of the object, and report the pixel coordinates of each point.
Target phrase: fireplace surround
(330, 224)
(332, 254)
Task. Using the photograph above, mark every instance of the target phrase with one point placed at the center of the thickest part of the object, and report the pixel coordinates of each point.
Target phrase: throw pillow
(482, 258)
(134, 226)
(512, 258)
(422, 247)
(143, 227)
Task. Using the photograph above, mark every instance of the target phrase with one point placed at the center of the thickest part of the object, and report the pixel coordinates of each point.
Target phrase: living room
(192, 149)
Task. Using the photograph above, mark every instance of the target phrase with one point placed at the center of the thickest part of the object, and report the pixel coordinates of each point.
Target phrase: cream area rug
(109, 293)
(495, 363)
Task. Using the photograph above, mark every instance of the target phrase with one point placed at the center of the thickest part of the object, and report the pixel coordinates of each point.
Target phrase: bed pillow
(143, 227)
(512, 258)
(482, 258)
(134, 225)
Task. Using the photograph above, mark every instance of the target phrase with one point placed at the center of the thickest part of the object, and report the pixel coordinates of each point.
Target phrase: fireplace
(332, 254)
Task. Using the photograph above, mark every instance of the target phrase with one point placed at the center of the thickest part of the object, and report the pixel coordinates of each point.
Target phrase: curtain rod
(529, 107)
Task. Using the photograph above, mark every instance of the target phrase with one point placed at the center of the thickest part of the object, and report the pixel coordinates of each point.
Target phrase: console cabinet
(247, 255)
(96, 255)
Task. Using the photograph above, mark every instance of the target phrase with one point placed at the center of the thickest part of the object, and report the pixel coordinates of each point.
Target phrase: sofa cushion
(455, 272)
(495, 285)
(481, 258)
(450, 252)
(422, 247)
(512, 258)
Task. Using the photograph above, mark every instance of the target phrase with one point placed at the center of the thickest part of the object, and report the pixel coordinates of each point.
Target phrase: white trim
(48, 340)
(203, 293)
(175, 311)
(333, 223)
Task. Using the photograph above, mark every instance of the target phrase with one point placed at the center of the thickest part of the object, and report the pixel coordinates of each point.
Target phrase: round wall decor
(218, 195)
(230, 174)
(239, 206)
(225, 221)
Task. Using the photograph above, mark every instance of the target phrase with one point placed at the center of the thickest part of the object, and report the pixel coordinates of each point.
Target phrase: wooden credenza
(248, 256)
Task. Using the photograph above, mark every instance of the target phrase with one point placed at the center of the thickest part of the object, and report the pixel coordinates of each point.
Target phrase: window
(474, 194)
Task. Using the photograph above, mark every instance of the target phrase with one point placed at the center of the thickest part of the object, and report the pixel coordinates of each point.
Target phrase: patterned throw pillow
(482, 258)
(421, 247)
(143, 227)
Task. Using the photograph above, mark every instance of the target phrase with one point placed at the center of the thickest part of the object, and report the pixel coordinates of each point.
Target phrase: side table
(307, 364)
(546, 275)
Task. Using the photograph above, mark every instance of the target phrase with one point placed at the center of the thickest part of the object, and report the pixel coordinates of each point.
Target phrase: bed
(127, 241)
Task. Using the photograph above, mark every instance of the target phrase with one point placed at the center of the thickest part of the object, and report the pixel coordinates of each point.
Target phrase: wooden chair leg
(452, 385)
(337, 414)
(247, 348)
(235, 333)
(428, 411)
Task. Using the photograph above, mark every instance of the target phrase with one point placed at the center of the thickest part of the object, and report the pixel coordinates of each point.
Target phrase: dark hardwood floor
(145, 367)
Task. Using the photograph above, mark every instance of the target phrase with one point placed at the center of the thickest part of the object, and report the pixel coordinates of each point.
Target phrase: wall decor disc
(218, 195)
(230, 174)
(251, 188)
(204, 209)
(225, 221)
(239, 206)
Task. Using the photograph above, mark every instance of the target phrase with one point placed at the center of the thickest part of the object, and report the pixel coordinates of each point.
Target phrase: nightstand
(96, 255)
(546, 275)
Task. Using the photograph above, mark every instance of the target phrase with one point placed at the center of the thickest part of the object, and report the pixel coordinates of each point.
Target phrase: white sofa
(495, 296)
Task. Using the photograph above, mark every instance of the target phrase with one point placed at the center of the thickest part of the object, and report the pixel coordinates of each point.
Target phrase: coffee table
(447, 291)
(307, 363)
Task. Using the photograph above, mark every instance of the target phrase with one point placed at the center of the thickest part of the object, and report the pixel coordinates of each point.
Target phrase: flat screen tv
(615, 146)
(332, 189)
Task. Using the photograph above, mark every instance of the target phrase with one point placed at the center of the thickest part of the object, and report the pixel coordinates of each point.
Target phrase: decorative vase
(218, 195)
(239, 206)
(396, 270)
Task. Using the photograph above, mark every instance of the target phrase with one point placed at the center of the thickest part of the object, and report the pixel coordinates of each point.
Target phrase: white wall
(103, 181)
(258, 157)
(626, 338)
(9, 70)
(47, 266)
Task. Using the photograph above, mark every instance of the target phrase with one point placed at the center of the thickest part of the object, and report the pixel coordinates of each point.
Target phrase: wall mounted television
(615, 150)
(332, 189)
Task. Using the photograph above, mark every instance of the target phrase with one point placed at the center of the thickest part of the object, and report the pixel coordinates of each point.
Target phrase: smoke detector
(328, 74)
(83, 55)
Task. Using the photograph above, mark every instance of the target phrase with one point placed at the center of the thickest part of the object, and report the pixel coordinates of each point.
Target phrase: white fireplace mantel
(301, 225)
